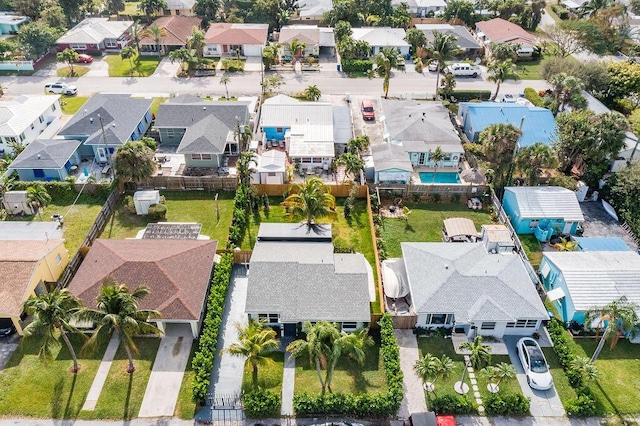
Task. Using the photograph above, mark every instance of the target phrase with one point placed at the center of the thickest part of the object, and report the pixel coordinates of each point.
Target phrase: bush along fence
(584, 405)
(261, 404)
(377, 405)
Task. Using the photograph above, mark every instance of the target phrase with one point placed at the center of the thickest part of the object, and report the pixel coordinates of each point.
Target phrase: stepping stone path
(474, 386)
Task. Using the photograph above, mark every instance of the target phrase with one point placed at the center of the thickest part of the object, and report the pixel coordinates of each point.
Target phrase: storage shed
(17, 203)
(144, 199)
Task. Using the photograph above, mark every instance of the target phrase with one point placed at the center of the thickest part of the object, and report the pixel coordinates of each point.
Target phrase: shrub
(356, 65)
(261, 404)
(532, 96)
(451, 404)
(508, 404)
(560, 11)
(128, 201)
(470, 95)
(581, 406)
(232, 65)
(436, 198)
(157, 211)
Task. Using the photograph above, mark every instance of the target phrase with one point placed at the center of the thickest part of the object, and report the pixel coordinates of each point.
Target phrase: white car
(535, 365)
(60, 88)
(433, 66)
(461, 69)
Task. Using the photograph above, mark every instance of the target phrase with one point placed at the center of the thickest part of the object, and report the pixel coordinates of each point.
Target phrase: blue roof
(602, 244)
(539, 124)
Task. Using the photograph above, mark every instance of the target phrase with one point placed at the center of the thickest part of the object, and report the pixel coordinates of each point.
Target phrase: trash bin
(338, 67)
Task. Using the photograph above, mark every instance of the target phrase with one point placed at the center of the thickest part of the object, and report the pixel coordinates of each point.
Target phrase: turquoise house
(578, 281)
(542, 210)
(47, 160)
(10, 24)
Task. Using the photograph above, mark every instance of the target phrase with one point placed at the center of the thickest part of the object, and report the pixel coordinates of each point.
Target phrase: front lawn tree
(479, 355)
(416, 39)
(312, 93)
(358, 144)
(118, 310)
(53, 313)
(385, 61)
(134, 162)
(128, 52)
(499, 71)
(225, 80)
(430, 368)
(36, 38)
(619, 316)
(312, 200)
(587, 369)
(498, 373)
(70, 57)
(442, 48)
(533, 159)
(183, 56)
(197, 42)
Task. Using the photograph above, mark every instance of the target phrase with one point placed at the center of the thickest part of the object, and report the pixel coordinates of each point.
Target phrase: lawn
(506, 385)
(122, 393)
(185, 407)
(143, 66)
(530, 70)
(349, 376)
(532, 248)
(131, 9)
(71, 104)
(78, 71)
(560, 380)
(155, 105)
(33, 389)
(269, 376)
(78, 218)
(425, 224)
(439, 346)
(183, 206)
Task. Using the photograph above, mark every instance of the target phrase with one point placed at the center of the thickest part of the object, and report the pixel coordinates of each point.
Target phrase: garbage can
(338, 67)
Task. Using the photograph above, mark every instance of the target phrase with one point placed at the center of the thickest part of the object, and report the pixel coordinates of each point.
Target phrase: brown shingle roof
(177, 28)
(499, 30)
(176, 272)
(226, 33)
(20, 250)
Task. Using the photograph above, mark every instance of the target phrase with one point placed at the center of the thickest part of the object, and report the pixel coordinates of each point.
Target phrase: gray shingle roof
(387, 156)
(294, 232)
(464, 39)
(538, 202)
(45, 154)
(474, 285)
(306, 281)
(120, 116)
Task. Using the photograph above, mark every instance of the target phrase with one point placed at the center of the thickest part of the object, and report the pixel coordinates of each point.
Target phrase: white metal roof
(18, 114)
(95, 30)
(272, 161)
(313, 132)
(298, 147)
(538, 202)
(381, 36)
(287, 114)
(595, 278)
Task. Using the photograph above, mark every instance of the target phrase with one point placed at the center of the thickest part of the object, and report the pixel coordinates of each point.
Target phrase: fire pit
(392, 209)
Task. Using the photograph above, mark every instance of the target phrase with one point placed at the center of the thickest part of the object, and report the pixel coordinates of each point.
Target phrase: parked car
(433, 66)
(83, 58)
(6, 327)
(534, 363)
(61, 88)
(368, 113)
(507, 98)
(461, 69)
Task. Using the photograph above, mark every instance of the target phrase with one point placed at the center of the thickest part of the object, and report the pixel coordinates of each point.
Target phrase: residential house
(583, 280)
(420, 127)
(422, 8)
(96, 35)
(538, 125)
(176, 271)
(573, 5)
(539, 209)
(10, 23)
(28, 268)
(46, 160)
(179, 8)
(312, 131)
(30, 231)
(471, 288)
(391, 164)
(312, 10)
(107, 121)
(204, 131)
(467, 44)
(383, 37)
(271, 168)
(297, 277)
(501, 31)
(318, 40)
(226, 39)
(26, 118)
(177, 30)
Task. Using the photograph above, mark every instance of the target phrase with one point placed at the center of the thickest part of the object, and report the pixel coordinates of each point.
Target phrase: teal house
(542, 210)
(47, 160)
(10, 24)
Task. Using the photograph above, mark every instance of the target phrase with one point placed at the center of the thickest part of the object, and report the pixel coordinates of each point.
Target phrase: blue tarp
(602, 244)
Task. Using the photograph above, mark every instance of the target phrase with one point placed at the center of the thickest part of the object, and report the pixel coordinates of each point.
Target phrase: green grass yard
(269, 376)
(533, 249)
(143, 66)
(185, 407)
(78, 71)
(71, 104)
(530, 70)
(131, 9)
(506, 385)
(425, 224)
(155, 105)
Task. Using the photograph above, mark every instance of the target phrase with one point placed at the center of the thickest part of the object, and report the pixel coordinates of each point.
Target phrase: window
(110, 42)
(41, 118)
(78, 46)
(269, 318)
(170, 133)
(511, 325)
(521, 323)
(205, 156)
(349, 325)
(532, 323)
(491, 325)
(58, 259)
(22, 137)
(271, 174)
(279, 129)
(439, 319)
(53, 107)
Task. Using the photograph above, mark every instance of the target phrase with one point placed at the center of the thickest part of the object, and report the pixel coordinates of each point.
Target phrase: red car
(84, 58)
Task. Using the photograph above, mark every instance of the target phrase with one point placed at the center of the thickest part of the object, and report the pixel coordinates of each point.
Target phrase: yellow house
(27, 267)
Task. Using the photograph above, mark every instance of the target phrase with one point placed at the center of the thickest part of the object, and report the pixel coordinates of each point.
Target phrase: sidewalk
(288, 381)
(413, 401)
(101, 375)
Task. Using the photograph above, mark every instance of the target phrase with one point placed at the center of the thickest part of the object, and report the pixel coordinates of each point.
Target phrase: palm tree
(351, 345)
(156, 32)
(135, 32)
(567, 91)
(245, 167)
(128, 52)
(225, 80)
(385, 61)
(620, 316)
(296, 48)
(270, 55)
(182, 55)
(416, 39)
(243, 134)
(498, 143)
(255, 342)
(442, 48)
(38, 197)
(52, 314)
(480, 353)
(312, 200)
(358, 144)
(499, 71)
(118, 310)
(197, 41)
(436, 156)
(134, 162)
(69, 56)
(426, 368)
(498, 372)
(588, 371)
(151, 7)
(533, 159)
(352, 163)
(312, 93)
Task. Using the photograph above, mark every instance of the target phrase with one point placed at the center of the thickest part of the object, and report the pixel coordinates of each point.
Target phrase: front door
(567, 228)
(422, 159)
(290, 330)
(102, 157)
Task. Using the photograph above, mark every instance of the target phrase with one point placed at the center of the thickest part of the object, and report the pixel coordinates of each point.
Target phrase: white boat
(610, 210)
(394, 280)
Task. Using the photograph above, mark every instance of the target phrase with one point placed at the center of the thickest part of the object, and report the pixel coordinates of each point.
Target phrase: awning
(460, 226)
(393, 277)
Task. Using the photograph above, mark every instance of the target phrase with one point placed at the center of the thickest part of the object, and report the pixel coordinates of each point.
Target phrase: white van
(461, 69)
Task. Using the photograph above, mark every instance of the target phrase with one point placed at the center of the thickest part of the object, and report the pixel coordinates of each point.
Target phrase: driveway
(7, 347)
(373, 129)
(543, 403)
(598, 223)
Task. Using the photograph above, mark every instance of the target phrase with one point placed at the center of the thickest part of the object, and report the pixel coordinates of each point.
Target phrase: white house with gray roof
(96, 34)
(296, 277)
(467, 287)
(26, 118)
(47, 159)
(391, 164)
(122, 117)
(464, 40)
(382, 37)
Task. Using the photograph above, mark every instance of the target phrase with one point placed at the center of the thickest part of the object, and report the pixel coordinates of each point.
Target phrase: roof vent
(446, 266)
(38, 156)
(91, 120)
(204, 108)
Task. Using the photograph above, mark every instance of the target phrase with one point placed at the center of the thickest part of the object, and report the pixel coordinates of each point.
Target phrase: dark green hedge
(64, 191)
(239, 217)
(202, 363)
(356, 65)
(471, 95)
(261, 404)
(451, 404)
(508, 404)
(532, 96)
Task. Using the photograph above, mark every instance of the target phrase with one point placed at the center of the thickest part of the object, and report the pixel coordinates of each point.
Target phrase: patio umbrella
(474, 176)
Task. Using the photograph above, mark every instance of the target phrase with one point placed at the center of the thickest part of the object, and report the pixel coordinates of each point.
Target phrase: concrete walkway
(413, 401)
(288, 379)
(167, 373)
(101, 375)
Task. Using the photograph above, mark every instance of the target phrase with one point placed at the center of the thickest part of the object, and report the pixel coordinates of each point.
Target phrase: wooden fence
(404, 321)
(190, 183)
(239, 256)
(94, 232)
(338, 191)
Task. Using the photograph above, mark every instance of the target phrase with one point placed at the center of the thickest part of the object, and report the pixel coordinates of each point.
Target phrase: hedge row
(508, 404)
(356, 65)
(239, 218)
(66, 190)
(261, 404)
(375, 405)
(202, 363)
(451, 404)
(532, 96)
(471, 95)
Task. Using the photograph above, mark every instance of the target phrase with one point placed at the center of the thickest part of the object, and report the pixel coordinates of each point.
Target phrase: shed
(17, 203)
(272, 167)
(391, 164)
(459, 229)
(144, 199)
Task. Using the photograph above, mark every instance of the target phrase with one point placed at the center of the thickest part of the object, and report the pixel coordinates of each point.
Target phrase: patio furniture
(106, 169)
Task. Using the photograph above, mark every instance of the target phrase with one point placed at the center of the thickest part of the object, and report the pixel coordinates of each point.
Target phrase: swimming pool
(440, 177)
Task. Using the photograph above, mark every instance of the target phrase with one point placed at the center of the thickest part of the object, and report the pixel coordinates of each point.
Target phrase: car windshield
(368, 109)
(538, 364)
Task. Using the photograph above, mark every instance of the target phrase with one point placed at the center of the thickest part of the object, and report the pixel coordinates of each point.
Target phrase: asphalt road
(329, 82)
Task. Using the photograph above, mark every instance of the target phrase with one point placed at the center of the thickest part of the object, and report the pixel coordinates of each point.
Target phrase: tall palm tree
(255, 342)
(442, 48)
(567, 91)
(225, 80)
(197, 41)
(245, 167)
(385, 61)
(38, 197)
(311, 199)
(436, 156)
(183, 55)
(52, 314)
(358, 144)
(480, 353)
(128, 52)
(134, 162)
(156, 32)
(352, 163)
(135, 32)
(499, 71)
(351, 345)
(270, 55)
(296, 49)
(620, 316)
(588, 371)
(498, 142)
(118, 310)
(533, 159)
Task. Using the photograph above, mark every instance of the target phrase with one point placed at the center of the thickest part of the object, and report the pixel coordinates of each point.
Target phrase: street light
(106, 145)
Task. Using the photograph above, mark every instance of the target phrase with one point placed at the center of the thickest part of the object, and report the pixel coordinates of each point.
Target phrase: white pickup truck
(461, 69)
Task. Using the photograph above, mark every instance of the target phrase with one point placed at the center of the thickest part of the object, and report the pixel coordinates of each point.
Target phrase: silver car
(534, 363)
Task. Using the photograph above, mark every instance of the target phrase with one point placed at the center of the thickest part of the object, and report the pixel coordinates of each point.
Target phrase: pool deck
(415, 178)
